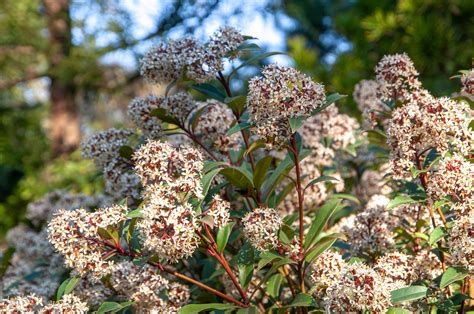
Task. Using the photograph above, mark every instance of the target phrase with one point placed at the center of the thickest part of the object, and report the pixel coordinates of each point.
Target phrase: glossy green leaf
(410, 293)
(109, 307)
(320, 179)
(273, 286)
(397, 310)
(322, 245)
(196, 308)
(210, 90)
(398, 201)
(348, 197)
(161, 114)
(261, 170)
(451, 275)
(437, 234)
(321, 218)
(136, 213)
(223, 236)
(126, 152)
(206, 180)
(237, 177)
(237, 103)
(245, 274)
(238, 127)
(296, 123)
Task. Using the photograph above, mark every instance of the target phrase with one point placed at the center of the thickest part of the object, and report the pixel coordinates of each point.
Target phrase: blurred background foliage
(55, 86)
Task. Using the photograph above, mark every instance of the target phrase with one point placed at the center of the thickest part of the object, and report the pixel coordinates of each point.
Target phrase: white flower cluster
(170, 176)
(397, 75)
(219, 210)
(28, 273)
(161, 166)
(453, 177)
(398, 268)
(461, 244)
(281, 93)
(360, 289)
(372, 229)
(75, 234)
(213, 124)
(150, 292)
(174, 59)
(104, 148)
(367, 95)
(261, 228)
(330, 124)
(326, 271)
(18, 305)
(427, 122)
(68, 304)
(32, 304)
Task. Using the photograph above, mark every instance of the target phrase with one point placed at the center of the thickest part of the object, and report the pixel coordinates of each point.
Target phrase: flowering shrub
(273, 200)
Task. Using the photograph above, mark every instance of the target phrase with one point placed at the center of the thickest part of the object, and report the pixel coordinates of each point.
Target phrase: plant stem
(299, 190)
(221, 259)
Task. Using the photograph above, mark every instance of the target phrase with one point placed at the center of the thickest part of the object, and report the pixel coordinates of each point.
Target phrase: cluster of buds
(32, 304)
(261, 228)
(187, 57)
(281, 93)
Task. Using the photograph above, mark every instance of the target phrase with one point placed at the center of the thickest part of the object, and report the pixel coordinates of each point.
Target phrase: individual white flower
(261, 228)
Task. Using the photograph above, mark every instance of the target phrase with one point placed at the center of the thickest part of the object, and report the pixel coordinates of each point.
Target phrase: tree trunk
(64, 129)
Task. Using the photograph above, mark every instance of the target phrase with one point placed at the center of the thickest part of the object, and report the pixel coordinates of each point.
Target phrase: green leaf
(346, 197)
(136, 213)
(238, 127)
(223, 236)
(237, 177)
(196, 308)
(72, 283)
(302, 299)
(296, 123)
(409, 294)
(261, 170)
(250, 46)
(283, 167)
(266, 258)
(322, 245)
(237, 103)
(210, 90)
(274, 283)
(451, 275)
(245, 274)
(193, 121)
(207, 180)
(321, 218)
(126, 152)
(255, 59)
(320, 179)
(109, 307)
(161, 114)
(399, 200)
(246, 254)
(330, 99)
(397, 310)
(437, 234)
